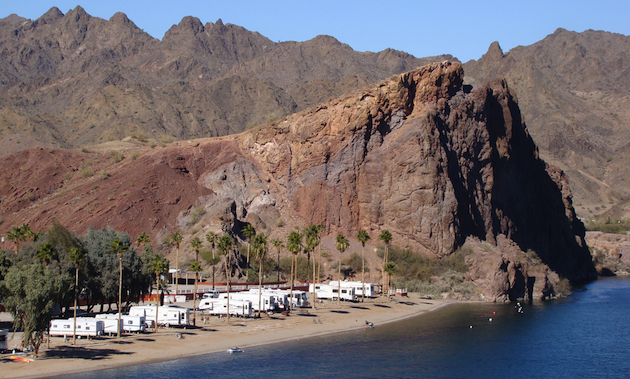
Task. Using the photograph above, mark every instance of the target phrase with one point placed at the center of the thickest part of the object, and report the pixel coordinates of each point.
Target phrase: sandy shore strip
(211, 337)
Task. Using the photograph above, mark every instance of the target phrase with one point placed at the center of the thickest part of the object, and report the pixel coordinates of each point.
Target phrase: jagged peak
(494, 52)
(187, 25)
(51, 16)
(78, 13)
(120, 18)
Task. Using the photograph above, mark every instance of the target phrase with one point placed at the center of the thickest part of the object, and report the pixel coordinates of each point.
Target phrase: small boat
(235, 350)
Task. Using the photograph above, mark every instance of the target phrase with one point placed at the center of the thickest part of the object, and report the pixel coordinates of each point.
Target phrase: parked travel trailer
(169, 315)
(267, 301)
(4, 339)
(216, 307)
(88, 327)
(326, 291)
(130, 323)
(369, 287)
(299, 297)
(211, 294)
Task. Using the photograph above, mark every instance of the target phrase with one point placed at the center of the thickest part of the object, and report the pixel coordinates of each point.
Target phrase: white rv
(267, 301)
(4, 339)
(326, 291)
(369, 287)
(129, 323)
(169, 315)
(87, 327)
(216, 307)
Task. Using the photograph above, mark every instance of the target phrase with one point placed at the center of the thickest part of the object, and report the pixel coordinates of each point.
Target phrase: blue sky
(464, 29)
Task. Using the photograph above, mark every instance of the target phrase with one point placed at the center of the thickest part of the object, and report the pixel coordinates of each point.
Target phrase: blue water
(584, 336)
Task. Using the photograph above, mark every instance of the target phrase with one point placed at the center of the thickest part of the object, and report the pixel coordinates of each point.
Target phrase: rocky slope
(573, 89)
(71, 80)
(420, 154)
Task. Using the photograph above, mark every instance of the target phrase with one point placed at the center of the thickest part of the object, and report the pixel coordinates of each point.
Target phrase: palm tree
(363, 237)
(225, 246)
(46, 252)
(176, 239)
(158, 265)
(118, 247)
(27, 232)
(76, 256)
(386, 237)
(278, 245)
(196, 268)
(248, 232)
(196, 245)
(341, 244)
(212, 238)
(313, 240)
(294, 245)
(16, 235)
(143, 239)
(389, 269)
(260, 253)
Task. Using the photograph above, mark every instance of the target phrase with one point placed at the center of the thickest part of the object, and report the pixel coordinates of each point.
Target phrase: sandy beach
(213, 336)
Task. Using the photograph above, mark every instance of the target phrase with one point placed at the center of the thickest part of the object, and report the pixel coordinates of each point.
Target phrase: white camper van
(326, 291)
(169, 315)
(130, 323)
(267, 301)
(87, 327)
(216, 307)
(369, 287)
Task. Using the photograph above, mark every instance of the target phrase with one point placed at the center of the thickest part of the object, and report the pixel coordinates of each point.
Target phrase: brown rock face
(421, 155)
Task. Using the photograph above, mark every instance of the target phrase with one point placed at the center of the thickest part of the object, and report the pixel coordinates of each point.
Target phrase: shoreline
(214, 336)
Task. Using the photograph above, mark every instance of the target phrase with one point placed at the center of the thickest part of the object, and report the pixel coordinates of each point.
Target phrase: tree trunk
(76, 286)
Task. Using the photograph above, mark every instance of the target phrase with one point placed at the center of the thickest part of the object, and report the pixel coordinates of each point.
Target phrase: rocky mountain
(574, 91)
(73, 80)
(421, 154)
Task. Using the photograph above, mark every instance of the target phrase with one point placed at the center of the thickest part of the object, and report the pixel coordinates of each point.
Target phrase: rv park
(200, 332)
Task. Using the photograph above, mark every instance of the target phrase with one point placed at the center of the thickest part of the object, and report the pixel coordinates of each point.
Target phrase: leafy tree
(118, 248)
(158, 265)
(278, 245)
(212, 239)
(386, 237)
(249, 233)
(46, 252)
(76, 256)
(196, 268)
(32, 290)
(143, 239)
(226, 248)
(389, 269)
(175, 240)
(363, 237)
(260, 249)
(294, 245)
(341, 244)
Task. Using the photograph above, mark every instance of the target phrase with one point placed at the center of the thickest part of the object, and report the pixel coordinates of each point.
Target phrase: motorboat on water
(235, 350)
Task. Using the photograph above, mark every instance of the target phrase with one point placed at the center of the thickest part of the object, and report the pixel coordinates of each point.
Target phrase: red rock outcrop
(421, 155)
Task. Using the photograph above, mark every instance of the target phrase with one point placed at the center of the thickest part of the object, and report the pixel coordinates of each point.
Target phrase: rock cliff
(420, 154)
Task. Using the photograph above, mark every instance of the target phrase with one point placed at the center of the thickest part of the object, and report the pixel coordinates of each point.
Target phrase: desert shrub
(116, 156)
(196, 214)
(616, 226)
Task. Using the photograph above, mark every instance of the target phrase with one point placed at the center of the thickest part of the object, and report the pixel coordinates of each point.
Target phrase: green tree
(341, 244)
(47, 252)
(143, 239)
(76, 256)
(118, 248)
(363, 237)
(294, 245)
(249, 233)
(196, 244)
(386, 237)
(277, 243)
(175, 240)
(32, 290)
(226, 248)
(17, 235)
(313, 240)
(212, 239)
(158, 265)
(389, 270)
(260, 248)
(196, 268)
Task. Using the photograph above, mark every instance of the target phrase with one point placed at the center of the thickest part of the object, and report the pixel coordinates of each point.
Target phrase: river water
(584, 336)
